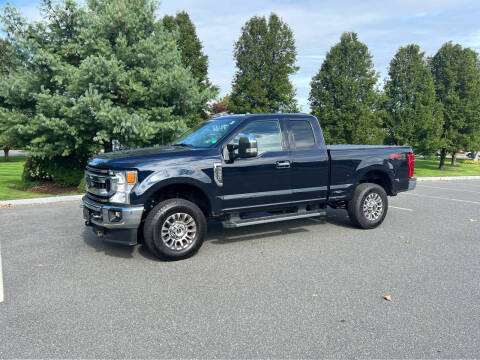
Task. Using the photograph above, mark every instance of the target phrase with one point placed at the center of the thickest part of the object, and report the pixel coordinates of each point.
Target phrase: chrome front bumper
(106, 224)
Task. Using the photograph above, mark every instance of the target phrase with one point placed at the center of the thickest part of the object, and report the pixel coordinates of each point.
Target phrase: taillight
(411, 164)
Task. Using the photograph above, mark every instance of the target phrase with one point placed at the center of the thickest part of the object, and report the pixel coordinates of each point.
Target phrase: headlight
(124, 181)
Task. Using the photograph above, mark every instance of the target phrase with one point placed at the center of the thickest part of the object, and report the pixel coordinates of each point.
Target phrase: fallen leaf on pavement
(402, 237)
(39, 265)
(407, 241)
(472, 220)
(314, 295)
(5, 206)
(388, 298)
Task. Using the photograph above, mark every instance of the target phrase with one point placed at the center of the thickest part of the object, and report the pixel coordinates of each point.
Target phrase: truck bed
(349, 163)
(340, 147)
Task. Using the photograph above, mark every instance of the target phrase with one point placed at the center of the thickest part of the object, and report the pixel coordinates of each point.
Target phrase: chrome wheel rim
(178, 231)
(372, 206)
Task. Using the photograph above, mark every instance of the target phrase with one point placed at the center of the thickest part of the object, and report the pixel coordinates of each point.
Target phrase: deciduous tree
(265, 57)
(343, 95)
(456, 73)
(412, 114)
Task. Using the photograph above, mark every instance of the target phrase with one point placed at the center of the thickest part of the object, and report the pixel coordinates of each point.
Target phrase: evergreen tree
(343, 95)
(10, 118)
(456, 73)
(191, 50)
(97, 73)
(265, 57)
(412, 117)
(189, 45)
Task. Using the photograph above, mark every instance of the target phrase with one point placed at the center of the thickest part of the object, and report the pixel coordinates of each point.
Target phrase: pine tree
(343, 95)
(412, 117)
(92, 74)
(265, 57)
(456, 73)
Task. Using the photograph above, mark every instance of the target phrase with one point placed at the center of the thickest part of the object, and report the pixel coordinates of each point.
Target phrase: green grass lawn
(428, 168)
(11, 175)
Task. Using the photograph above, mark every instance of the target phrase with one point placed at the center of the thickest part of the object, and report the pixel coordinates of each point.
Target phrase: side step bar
(235, 221)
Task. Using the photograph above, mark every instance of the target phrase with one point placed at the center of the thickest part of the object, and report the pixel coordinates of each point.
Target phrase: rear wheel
(175, 229)
(369, 206)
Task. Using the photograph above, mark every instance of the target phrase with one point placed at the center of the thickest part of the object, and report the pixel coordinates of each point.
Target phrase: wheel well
(379, 178)
(181, 191)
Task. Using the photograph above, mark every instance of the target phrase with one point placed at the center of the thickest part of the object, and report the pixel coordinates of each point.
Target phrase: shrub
(81, 185)
(63, 171)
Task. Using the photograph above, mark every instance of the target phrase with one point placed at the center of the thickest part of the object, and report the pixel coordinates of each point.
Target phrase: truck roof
(266, 115)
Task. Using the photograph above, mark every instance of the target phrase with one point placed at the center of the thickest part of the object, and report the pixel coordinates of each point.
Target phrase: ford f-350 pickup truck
(241, 170)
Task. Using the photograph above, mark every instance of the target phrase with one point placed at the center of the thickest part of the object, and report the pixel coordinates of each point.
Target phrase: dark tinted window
(302, 134)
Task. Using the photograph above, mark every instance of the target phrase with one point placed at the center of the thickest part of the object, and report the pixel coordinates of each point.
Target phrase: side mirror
(247, 146)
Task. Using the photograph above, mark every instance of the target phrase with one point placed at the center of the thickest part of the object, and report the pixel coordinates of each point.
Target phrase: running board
(237, 222)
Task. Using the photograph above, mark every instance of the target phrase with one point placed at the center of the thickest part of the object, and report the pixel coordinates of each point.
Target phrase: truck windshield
(206, 134)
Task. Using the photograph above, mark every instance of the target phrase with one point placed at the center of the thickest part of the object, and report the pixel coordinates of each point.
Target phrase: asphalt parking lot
(304, 289)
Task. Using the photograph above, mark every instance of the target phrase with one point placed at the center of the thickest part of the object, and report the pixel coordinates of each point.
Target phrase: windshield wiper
(184, 144)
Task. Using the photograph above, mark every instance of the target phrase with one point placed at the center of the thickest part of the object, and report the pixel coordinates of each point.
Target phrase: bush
(81, 186)
(34, 170)
(63, 171)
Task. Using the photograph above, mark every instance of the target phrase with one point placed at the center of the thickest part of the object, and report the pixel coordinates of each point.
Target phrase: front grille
(96, 170)
(99, 183)
(97, 198)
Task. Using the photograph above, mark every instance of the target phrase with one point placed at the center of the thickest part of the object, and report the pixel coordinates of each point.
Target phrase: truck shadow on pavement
(220, 236)
(110, 249)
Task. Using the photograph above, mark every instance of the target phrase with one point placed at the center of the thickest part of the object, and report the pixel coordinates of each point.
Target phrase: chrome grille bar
(99, 183)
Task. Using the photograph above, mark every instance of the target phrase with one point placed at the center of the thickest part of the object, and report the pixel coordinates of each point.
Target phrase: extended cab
(241, 170)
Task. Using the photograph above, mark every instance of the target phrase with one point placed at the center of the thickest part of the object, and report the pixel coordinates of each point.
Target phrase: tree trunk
(476, 155)
(5, 153)
(454, 158)
(443, 155)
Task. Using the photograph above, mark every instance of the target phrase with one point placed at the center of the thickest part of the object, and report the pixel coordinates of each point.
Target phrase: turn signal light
(131, 177)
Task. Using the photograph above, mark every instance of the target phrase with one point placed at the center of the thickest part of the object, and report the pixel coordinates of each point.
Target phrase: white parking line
(400, 208)
(1, 277)
(442, 188)
(444, 198)
(471, 184)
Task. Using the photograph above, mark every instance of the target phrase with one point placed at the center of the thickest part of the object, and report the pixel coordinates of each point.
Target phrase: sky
(383, 26)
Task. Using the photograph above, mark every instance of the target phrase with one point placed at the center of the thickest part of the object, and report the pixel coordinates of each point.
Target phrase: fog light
(114, 215)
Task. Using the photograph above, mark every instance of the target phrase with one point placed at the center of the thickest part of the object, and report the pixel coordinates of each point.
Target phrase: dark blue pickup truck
(241, 170)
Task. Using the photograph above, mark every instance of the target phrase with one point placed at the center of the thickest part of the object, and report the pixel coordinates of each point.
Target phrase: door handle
(284, 164)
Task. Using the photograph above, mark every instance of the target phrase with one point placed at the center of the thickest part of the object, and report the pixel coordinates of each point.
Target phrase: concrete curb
(45, 200)
(448, 178)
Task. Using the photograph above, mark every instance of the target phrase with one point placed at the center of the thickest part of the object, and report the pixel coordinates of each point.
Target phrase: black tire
(355, 206)
(159, 216)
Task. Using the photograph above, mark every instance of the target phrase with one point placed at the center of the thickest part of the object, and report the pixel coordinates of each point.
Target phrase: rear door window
(301, 133)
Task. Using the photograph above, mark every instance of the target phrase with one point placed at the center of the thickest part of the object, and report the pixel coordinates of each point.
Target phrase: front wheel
(369, 206)
(174, 229)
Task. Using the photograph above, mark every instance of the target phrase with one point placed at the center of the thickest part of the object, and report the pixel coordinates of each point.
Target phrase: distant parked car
(469, 154)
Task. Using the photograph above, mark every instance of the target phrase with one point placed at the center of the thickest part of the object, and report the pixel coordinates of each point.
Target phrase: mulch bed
(53, 189)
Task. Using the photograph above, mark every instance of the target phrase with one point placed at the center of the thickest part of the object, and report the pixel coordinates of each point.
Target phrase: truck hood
(137, 158)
